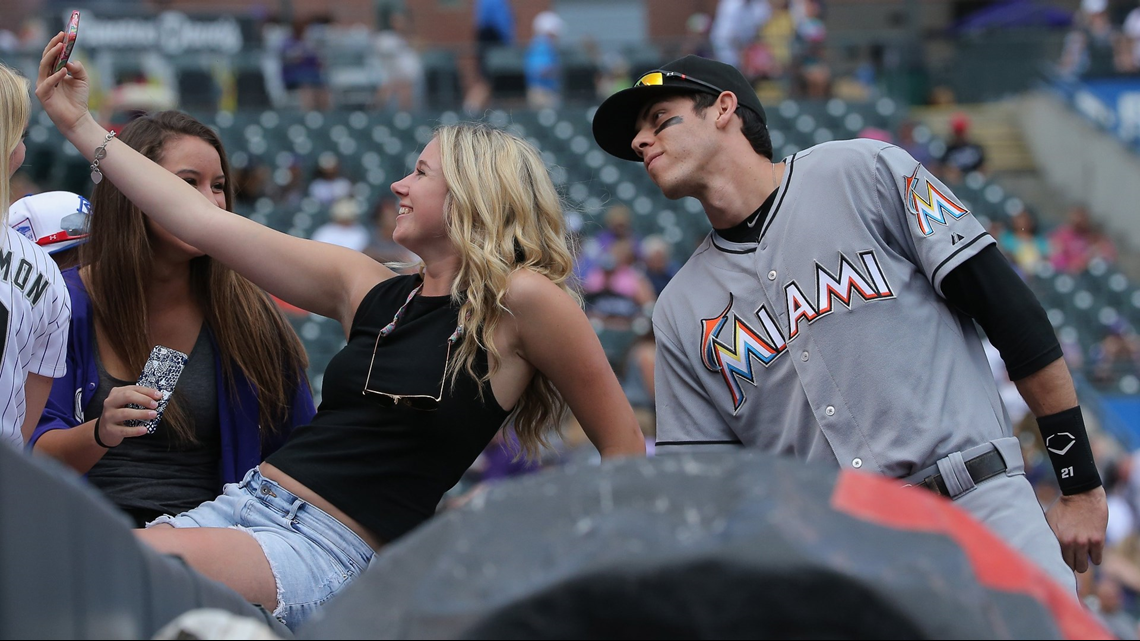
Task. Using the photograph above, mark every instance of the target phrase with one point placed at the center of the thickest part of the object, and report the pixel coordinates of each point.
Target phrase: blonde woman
(34, 306)
(436, 363)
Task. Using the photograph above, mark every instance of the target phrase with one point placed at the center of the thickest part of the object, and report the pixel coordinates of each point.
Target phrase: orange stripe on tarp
(883, 501)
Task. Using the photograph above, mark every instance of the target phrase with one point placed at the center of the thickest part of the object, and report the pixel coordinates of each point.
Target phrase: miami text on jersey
(934, 208)
(24, 270)
(732, 358)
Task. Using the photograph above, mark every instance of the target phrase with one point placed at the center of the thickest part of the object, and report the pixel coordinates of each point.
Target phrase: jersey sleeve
(49, 356)
(927, 219)
(686, 420)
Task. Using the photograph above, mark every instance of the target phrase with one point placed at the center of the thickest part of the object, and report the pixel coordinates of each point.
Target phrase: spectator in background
(302, 70)
(919, 151)
(613, 75)
(813, 74)
(343, 227)
(618, 226)
(543, 64)
(57, 221)
(696, 39)
(637, 382)
(494, 27)
(1090, 47)
(657, 255)
(775, 41)
(1130, 32)
(402, 71)
(1107, 601)
(616, 291)
(251, 180)
(1022, 244)
(735, 27)
(328, 184)
(1117, 354)
(288, 186)
(962, 155)
(1078, 241)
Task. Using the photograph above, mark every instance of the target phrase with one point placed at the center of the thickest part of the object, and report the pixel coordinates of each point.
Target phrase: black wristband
(1069, 451)
(99, 442)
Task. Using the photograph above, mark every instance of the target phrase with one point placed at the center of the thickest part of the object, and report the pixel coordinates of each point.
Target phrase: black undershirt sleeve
(987, 289)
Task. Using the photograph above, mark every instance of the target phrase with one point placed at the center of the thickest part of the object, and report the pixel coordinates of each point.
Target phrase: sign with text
(170, 32)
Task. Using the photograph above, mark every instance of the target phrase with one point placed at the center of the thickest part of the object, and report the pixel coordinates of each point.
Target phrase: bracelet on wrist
(99, 441)
(100, 154)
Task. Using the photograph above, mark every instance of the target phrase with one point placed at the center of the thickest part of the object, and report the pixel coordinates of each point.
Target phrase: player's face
(197, 162)
(420, 226)
(16, 158)
(671, 140)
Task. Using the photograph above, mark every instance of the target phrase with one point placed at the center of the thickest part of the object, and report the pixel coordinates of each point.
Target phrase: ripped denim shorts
(313, 556)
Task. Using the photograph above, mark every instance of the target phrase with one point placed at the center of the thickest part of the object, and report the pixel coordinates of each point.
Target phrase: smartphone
(69, 37)
(161, 372)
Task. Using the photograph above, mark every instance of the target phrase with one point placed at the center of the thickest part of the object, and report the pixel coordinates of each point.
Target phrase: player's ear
(725, 107)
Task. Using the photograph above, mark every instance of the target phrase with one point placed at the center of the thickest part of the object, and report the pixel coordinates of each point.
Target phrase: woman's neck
(439, 275)
(168, 282)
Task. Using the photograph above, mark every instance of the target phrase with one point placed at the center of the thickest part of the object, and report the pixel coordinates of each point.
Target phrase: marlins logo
(734, 361)
(935, 208)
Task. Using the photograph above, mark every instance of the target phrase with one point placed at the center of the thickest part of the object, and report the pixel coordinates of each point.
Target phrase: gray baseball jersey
(828, 339)
(35, 310)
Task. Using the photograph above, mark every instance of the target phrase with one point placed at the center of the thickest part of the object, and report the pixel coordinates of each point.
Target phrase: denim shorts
(312, 555)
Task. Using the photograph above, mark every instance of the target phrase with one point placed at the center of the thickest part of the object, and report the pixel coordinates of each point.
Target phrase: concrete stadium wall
(1085, 163)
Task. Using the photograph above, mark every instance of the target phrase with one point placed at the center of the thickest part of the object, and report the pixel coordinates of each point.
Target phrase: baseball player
(830, 316)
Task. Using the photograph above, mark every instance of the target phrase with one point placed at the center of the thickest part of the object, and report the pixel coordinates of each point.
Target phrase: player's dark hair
(753, 128)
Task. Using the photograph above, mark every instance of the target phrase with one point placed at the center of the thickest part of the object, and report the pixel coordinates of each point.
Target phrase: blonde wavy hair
(503, 214)
(14, 109)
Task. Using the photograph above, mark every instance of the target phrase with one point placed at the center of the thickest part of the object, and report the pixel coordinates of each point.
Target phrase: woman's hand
(63, 96)
(112, 429)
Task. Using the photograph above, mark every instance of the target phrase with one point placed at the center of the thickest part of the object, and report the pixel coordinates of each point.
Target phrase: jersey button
(857, 463)
(829, 410)
(772, 275)
(804, 357)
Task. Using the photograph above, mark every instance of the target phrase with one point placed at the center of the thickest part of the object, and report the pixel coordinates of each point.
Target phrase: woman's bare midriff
(300, 491)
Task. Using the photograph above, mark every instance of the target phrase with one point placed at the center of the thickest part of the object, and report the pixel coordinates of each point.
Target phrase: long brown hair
(251, 334)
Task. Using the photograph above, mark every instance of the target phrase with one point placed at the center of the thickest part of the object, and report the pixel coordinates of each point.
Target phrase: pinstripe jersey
(828, 339)
(35, 309)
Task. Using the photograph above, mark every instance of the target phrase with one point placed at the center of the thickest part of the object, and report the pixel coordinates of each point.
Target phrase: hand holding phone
(161, 372)
(68, 41)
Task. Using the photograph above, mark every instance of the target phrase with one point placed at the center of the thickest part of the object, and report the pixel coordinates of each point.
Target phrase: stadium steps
(993, 125)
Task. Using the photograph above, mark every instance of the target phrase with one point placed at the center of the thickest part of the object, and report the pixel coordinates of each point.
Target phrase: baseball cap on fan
(54, 220)
(614, 121)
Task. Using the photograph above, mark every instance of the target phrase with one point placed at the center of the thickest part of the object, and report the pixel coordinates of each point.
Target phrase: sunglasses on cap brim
(657, 79)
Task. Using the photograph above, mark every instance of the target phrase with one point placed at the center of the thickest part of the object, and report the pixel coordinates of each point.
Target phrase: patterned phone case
(161, 373)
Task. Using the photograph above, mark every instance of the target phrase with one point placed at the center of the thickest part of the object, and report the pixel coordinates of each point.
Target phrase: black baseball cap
(614, 120)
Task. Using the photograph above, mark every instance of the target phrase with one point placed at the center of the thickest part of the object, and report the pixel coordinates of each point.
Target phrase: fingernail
(152, 414)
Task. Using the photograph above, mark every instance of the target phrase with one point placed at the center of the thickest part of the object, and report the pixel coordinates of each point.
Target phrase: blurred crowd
(781, 46)
(1104, 40)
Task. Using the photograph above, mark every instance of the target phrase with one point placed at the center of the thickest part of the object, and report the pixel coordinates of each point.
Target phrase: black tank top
(388, 467)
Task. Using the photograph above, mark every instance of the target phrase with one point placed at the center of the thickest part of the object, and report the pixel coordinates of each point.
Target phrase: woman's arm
(36, 390)
(324, 279)
(75, 444)
(555, 337)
